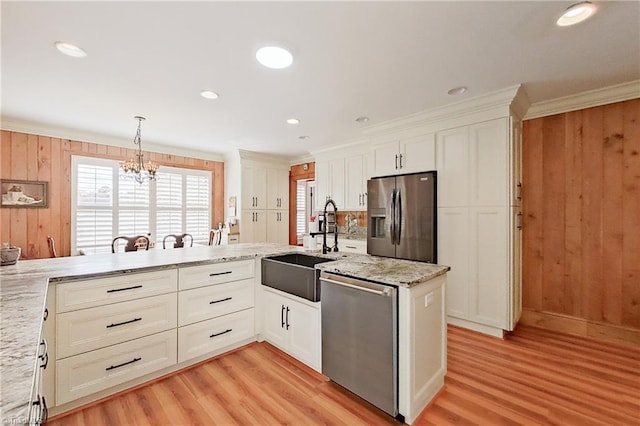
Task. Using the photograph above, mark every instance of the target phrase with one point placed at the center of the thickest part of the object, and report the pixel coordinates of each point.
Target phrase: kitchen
(30, 226)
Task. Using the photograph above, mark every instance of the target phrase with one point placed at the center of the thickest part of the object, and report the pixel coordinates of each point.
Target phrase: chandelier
(137, 169)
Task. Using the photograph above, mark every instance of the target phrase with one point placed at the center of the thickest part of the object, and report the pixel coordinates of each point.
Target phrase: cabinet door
(453, 251)
(278, 226)
(453, 167)
(337, 188)
(277, 189)
(488, 266)
(254, 226)
(516, 161)
(302, 324)
(254, 187)
(489, 163)
(322, 183)
(418, 154)
(516, 267)
(273, 310)
(354, 170)
(385, 158)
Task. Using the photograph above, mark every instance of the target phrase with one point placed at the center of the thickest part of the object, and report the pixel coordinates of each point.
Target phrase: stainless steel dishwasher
(360, 338)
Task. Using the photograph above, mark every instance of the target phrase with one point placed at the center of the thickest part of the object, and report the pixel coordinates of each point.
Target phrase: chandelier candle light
(138, 170)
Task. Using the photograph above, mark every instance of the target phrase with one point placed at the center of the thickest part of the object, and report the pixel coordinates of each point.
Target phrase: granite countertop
(383, 270)
(23, 289)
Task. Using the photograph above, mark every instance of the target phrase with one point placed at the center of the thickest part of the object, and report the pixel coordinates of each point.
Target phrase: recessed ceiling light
(576, 13)
(293, 121)
(70, 49)
(209, 94)
(303, 137)
(274, 57)
(457, 90)
(362, 119)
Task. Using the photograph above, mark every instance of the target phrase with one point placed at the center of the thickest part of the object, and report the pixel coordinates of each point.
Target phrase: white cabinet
(402, 156)
(254, 187)
(277, 189)
(356, 183)
(278, 226)
(293, 325)
(254, 226)
(475, 231)
(330, 182)
(352, 246)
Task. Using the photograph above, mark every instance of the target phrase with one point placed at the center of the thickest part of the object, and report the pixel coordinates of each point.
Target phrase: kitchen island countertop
(23, 289)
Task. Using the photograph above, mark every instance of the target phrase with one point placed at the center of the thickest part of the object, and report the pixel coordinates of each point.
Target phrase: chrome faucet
(325, 248)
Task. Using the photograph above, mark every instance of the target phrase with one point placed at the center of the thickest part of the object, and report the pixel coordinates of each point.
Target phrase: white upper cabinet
(330, 182)
(254, 187)
(453, 167)
(356, 183)
(402, 156)
(277, 189)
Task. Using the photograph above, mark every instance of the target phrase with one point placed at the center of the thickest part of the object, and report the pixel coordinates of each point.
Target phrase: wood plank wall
(581, 204)
(32, 157)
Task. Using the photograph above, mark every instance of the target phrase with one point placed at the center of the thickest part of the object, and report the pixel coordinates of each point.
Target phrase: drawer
(91, 372)
(89, 329)
(352, 246)
(209, 336)
(102, 291)
(233, 239)
(215, 273)
(213, 301)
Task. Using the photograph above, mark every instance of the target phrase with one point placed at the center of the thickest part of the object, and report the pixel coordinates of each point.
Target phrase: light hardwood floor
(532, 377)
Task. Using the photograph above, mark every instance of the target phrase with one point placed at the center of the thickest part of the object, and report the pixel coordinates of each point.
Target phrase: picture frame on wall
(24, 193)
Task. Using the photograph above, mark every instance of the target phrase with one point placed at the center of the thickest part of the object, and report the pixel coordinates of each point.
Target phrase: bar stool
(179, 240)
(133, 243)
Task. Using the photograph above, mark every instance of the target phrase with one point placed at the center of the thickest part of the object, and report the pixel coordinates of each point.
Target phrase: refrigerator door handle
(398, 219)
(393, 217)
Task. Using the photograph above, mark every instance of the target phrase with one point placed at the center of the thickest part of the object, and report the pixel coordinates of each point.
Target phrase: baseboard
(580, 327)
(480, 328)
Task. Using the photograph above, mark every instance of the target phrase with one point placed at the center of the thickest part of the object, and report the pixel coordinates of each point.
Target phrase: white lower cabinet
(88, 329)
(213, 301)
(84, 374)
(352, 246)
(278, 226)
(214, 334)
(293, 325)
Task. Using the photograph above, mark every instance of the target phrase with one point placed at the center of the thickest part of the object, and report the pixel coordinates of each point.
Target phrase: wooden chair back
(180, 240)
(140, 242)
(52, 246)
(215, 237)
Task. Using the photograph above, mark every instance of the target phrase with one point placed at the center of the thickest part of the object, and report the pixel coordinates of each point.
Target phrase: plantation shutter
(94, 212)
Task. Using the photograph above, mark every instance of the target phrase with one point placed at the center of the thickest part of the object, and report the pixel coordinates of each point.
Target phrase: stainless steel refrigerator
(402, 216)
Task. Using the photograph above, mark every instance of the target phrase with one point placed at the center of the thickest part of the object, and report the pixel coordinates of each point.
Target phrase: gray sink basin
(293, 274)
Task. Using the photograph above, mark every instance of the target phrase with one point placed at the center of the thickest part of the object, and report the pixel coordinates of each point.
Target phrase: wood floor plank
(532, 377)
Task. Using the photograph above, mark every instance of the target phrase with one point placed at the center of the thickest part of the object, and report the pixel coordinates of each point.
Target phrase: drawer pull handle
(116, 324)
(220, 273)
(123, 364)
(228, 330)
(221, 300)
(351, 247)
(46, 314)
(124, 289)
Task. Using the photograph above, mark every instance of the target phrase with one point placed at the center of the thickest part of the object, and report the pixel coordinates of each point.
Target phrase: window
(106, 205)
(304, 201)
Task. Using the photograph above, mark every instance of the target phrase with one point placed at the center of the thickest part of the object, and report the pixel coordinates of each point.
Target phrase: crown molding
(349, 143)
(591, 98)
(261, 157)
(21, 126)
(499, 99)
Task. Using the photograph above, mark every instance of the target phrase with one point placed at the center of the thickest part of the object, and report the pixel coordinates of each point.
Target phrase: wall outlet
(428, 300)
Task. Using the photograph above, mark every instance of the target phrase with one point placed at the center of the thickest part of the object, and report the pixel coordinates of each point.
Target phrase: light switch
(428, 300)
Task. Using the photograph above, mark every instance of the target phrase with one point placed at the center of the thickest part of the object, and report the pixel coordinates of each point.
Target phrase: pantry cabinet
(475, 232)
(278, 226)
(293, 325)
(254, 226)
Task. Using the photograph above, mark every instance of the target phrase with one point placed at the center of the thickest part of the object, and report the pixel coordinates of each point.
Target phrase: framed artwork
(24, 193)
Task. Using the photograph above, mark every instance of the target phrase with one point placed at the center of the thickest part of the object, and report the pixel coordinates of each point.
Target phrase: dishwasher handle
(384, 292)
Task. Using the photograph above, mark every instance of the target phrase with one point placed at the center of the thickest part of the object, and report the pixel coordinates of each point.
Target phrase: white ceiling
(383, 60)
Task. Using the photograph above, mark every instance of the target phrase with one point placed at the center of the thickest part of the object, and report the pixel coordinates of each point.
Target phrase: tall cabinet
(263, 194)
(477, 236)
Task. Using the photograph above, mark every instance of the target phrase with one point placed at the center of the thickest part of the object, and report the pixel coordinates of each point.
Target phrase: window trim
(77, 160)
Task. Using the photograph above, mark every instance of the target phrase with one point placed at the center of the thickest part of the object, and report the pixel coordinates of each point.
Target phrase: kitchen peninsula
(24, 297)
